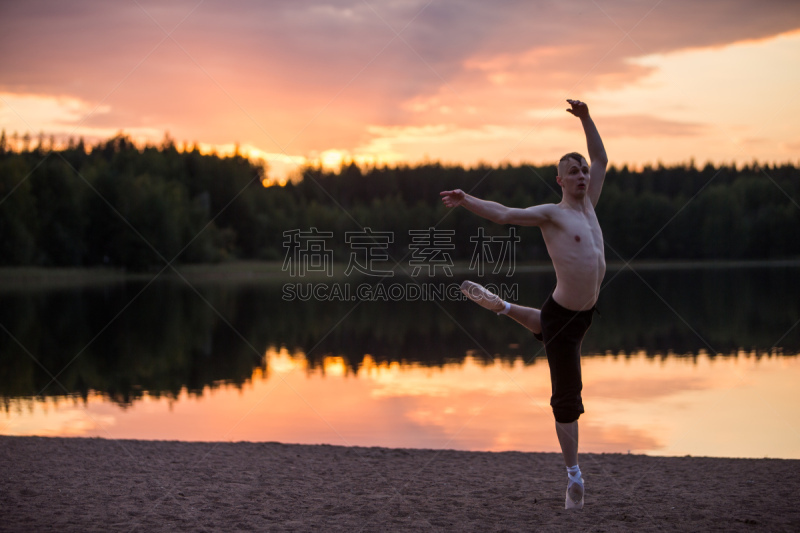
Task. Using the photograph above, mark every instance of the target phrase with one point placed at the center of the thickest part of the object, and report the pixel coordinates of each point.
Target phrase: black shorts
(562, 333)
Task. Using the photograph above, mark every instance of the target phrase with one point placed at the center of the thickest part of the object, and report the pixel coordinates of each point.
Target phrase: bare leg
(526, 316)
(568, 439)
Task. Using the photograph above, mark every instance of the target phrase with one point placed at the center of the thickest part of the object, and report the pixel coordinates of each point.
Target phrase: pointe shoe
(574, 483)
(481, 296)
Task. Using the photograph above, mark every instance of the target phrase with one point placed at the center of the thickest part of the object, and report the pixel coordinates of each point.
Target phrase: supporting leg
(568, 439)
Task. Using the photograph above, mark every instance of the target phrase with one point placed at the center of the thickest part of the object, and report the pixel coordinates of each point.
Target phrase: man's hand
(597, 152)
(453, 198)
(579, 109)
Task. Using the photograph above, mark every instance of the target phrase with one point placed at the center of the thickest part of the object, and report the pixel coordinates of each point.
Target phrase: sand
(74, 484)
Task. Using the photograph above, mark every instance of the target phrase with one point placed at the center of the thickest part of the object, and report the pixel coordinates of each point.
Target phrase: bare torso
(575, 244)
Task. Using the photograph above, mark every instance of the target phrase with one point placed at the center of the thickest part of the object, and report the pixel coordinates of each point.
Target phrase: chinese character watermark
(306, 252)
(430, 249)
(482, 254)
(373, 244)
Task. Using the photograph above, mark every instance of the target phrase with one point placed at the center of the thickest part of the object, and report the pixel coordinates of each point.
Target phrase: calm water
(700, 362)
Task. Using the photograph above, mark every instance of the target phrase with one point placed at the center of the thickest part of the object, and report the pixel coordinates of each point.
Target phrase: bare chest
(575, 234)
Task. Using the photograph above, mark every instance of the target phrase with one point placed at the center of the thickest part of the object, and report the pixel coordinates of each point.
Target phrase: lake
(694, 360)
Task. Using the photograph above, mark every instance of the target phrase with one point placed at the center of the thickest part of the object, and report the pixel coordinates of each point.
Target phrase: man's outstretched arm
(497, 213)
(597, 152)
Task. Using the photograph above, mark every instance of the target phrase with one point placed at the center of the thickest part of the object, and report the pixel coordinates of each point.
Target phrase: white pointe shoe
(481, 296)
(574, 483)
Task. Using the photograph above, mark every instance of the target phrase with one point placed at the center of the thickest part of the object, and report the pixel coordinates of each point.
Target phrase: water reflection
(726, 406)
(121, 340)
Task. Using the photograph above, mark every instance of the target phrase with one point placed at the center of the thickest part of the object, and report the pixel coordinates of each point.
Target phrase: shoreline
(80, 484)
(236, 271)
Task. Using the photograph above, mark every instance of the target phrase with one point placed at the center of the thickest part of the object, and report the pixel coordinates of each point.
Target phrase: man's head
(574, 157)
(573, 173)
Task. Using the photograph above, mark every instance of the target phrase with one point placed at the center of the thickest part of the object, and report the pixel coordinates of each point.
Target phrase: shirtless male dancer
(575, 244)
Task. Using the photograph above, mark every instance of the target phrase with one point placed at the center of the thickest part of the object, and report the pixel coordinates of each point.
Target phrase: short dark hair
(572, 155)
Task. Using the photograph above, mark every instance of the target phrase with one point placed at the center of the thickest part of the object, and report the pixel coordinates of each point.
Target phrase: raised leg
(528, 317)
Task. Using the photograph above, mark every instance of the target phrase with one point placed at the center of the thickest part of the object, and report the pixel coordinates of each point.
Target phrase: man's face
(573, 176)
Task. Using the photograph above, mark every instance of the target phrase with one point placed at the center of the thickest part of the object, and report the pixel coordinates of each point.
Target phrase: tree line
(132, 207)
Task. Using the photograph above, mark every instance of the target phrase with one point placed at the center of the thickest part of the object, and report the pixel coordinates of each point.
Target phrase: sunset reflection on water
(734, 406)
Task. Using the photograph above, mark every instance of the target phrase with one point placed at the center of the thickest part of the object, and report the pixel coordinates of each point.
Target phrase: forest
(137, 208)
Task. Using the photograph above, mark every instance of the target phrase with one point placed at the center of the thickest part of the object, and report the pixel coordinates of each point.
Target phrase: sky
(406, 81)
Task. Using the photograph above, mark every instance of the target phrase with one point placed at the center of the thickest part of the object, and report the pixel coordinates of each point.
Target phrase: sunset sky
(389, 81)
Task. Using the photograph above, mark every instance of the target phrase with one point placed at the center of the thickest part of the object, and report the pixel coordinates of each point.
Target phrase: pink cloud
(302, 77)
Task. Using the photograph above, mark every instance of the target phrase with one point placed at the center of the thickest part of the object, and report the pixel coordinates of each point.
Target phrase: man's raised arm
(597, 152)
(497, 213)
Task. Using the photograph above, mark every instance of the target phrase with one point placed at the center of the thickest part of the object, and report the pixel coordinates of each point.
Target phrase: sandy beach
(74, 484)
